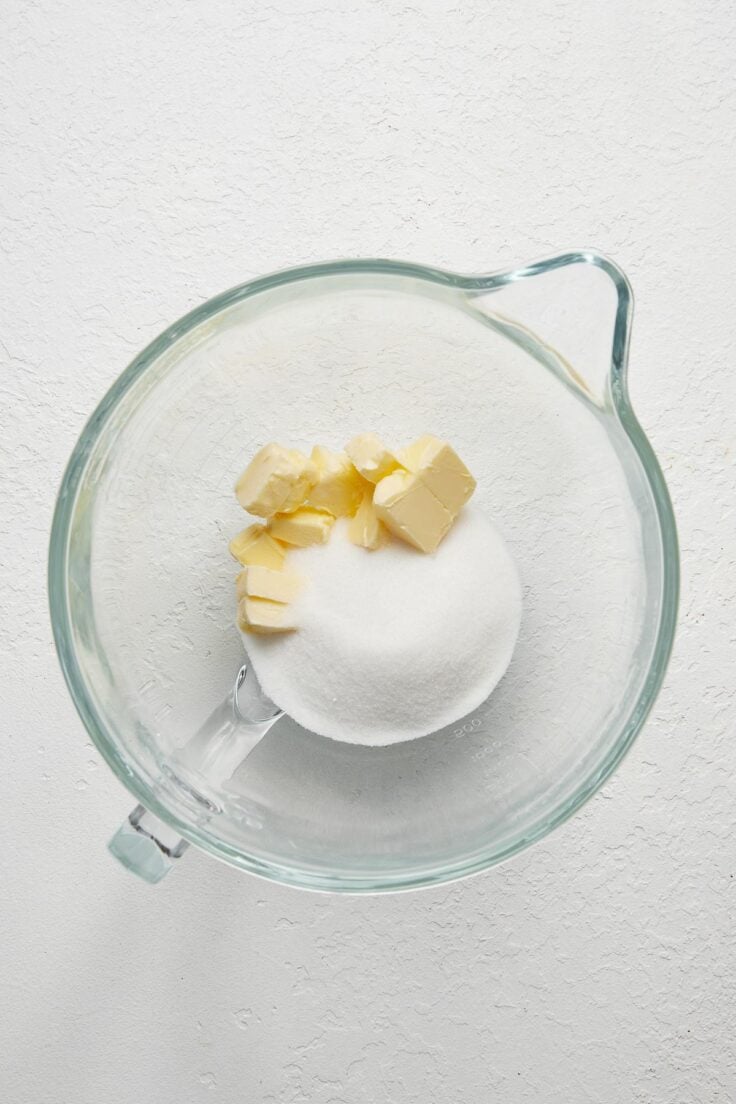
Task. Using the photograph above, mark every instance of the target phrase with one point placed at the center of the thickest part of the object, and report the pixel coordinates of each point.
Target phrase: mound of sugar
(394, 644)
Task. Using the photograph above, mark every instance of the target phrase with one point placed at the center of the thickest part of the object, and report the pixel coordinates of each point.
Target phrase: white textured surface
(153, 154)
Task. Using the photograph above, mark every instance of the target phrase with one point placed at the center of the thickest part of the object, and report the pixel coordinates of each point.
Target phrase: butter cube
(303, 527)
(371, 457)
(276, 481)
(365, 529)
(257, 581)
(441, 469)
(255, 545)
(339, 487)
(258, 615)
(411, 456)
(406, 506)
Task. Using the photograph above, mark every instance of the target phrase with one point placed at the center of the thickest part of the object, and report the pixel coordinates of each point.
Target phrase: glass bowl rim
(429, 874)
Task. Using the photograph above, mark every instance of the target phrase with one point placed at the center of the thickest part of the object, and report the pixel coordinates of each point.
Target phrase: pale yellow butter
(276, 481)
(257, 581)
(365, 529)
(255, 545)
(371, 457)
(410, 456)
(303, 527)
(441, 469)
(407, 507)
(339, 487)
(259, 615)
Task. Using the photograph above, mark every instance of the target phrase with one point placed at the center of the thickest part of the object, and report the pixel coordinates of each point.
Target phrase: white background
(155, 153)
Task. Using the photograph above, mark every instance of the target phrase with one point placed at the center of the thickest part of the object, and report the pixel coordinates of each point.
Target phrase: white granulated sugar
(394, 644)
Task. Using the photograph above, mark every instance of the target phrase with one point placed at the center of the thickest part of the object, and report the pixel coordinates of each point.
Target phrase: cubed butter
(303, 527)
(371, 457)
(441, 469)
(257, 581)
(365, 529)
(276, 481)
(410, 457)
(339, 487)
(407, 507)
(255, 545)
(258, 615)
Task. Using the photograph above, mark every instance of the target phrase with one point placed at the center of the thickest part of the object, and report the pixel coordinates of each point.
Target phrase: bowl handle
(148, 846)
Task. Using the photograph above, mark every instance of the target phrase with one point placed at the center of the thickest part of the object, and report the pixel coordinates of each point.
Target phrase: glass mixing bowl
(525, 372)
